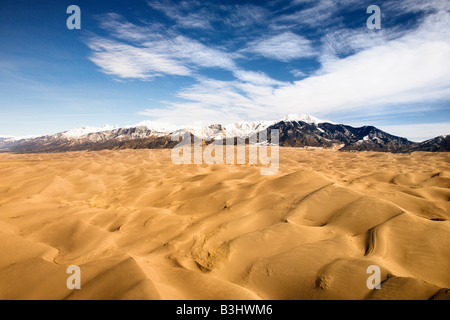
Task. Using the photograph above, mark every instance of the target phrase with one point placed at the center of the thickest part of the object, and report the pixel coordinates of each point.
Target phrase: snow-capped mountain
(82, 131)
(302, 118)
(158, 128)
(295, 131)
(242, 129)
(6, 141)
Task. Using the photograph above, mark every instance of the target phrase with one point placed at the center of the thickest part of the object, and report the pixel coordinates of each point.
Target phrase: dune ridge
(140, 227)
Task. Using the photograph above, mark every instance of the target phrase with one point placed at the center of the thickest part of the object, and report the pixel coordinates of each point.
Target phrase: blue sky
(182, 62)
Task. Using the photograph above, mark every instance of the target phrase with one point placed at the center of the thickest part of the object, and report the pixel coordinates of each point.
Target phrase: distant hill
(438, 144)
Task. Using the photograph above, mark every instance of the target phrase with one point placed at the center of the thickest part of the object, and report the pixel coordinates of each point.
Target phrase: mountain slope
(294, 131)
(368, 138)
(438, 144)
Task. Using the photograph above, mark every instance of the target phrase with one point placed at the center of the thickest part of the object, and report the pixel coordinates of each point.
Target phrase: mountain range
(294, 131)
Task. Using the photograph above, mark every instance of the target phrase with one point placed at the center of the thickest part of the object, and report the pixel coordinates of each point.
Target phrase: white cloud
(285, 47)
(394, 73)
(345, 42)
(194, 21)
(186, 14)
(151, 54)
(257, 78)
(297, 73)
(409, 69)
(192, 51)
(127, 61)
(119, 27)
(318, 13)
(213, 101)
(244, 15)
(202, 15)
(417, 6)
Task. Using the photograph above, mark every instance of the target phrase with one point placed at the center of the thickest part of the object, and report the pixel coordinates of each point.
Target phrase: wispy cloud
(202, 15)
(211, 100)
(157, 54)
(297, 73)
(257, 78)
(341, 43)
(117, 26)
(392, 73)
(127, 61)
(427, 6)
(243, 15)
(284, 47)
(187, 14)
(319, 13)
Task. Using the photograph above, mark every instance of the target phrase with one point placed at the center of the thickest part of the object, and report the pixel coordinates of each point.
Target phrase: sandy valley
(141, 227)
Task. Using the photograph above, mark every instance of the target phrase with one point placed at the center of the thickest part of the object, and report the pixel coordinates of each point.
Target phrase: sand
(140, 227)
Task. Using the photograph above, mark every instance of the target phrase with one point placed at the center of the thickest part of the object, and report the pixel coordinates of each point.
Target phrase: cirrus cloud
(284, 47)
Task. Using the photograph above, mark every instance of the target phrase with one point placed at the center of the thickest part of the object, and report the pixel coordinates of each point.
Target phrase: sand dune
(140, 227)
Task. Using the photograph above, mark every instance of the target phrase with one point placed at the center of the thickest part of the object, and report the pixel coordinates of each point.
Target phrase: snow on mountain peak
(234, 129)
(302, 117)
(81, 131)
(161, 127)
(17, 138)
(245, 129)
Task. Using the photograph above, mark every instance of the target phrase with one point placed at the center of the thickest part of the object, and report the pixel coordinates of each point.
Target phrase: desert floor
(141, 227)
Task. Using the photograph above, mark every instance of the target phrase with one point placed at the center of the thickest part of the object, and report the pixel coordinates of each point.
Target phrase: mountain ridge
(294, 131)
